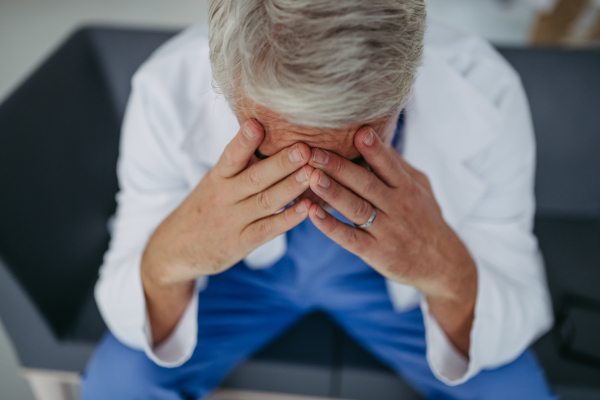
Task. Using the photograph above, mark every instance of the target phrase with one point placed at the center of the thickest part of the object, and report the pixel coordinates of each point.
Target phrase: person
(342, 159)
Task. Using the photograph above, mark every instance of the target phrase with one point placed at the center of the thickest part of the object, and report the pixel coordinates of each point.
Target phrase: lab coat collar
(450, 112)
(448, 122)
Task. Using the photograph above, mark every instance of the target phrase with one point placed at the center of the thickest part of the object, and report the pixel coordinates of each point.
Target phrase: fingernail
(369, 139)
(295, 154)
(321, 213)
(300, 207)
(324, 181)
(249, 133)
(302, 175)
(320, 157)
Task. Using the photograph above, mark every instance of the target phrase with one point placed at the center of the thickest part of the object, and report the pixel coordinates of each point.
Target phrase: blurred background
(31, 29)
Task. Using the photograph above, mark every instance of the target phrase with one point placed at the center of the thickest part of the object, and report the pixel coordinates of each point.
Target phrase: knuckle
(332, 226)
(288, 220)
(264, 228)
(370, 184)
(335, 192)
(264, 201)
(211, 175)
(361, 208)
(408, 185)
(228, 158)
(216, 198)
(390, 165)
(424, 179)
(282, 161)
(352, 239)
(337, 166)
(411, 188)
(253, 176)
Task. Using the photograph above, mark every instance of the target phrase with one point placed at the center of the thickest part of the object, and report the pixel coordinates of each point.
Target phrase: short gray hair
(320, 63)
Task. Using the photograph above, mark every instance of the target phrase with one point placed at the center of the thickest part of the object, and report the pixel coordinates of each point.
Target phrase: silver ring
(369, 222)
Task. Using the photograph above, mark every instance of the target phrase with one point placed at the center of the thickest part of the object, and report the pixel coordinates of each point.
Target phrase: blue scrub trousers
(242, 310)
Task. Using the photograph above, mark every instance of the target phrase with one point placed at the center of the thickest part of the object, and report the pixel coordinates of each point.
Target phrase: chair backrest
(563, 87)
(59, 140)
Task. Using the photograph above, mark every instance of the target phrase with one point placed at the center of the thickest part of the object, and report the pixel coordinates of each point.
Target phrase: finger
(268, 228)
(253, 160)
(240, 150)
(273, 199)
(379, 157)
(351, 206)
(266, 173)
(356, 241)
(355, 177)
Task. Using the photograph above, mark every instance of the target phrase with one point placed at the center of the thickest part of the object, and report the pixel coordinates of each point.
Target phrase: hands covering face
(233, 210)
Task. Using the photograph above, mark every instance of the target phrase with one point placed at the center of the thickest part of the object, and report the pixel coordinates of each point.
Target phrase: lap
(239, 312)
(398, 340)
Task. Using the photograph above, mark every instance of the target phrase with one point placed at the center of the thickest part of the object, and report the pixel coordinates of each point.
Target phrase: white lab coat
(468, 128)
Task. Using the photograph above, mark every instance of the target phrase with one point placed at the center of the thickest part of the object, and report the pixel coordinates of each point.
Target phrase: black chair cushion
(563, 88)
(58, 152)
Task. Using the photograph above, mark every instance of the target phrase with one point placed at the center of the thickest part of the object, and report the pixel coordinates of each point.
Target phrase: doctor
(407, 197)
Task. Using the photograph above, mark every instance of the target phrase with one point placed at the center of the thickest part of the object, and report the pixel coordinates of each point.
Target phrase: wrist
(158, 273)
(165, 300)
(457, 276)
(455, 310)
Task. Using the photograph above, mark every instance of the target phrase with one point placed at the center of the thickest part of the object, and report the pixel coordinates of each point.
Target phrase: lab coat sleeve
(151, 187)
(513, 305)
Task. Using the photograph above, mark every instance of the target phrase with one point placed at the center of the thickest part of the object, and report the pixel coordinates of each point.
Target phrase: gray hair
(320, 63)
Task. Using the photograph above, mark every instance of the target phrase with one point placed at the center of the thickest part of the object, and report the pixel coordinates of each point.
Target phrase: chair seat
(571, 248)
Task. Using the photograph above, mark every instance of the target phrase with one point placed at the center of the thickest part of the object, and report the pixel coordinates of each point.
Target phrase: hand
(231, 212)
(409, 241)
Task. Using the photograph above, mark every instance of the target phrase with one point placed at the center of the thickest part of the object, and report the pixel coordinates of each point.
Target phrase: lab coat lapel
(447, 123)
(215, 126)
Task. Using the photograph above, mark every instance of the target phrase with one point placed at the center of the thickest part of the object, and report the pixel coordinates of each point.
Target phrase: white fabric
(467, 127)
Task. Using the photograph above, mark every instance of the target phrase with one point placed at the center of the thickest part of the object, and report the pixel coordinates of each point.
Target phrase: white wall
(30, 29)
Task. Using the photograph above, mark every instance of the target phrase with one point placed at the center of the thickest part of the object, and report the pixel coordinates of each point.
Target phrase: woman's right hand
(231, 211)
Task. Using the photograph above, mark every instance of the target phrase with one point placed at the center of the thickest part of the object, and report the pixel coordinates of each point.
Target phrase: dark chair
(59, 134)
(563, 87)
(59, 137)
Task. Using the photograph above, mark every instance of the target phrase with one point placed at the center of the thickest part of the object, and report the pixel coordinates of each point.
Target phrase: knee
(118, 372)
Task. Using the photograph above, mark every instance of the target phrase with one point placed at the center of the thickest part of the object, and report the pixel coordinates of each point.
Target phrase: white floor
(31, 29)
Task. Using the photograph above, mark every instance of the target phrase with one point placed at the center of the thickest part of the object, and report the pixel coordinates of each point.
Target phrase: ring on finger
(369, 222)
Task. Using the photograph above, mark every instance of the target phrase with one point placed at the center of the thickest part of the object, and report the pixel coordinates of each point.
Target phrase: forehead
(280, 133)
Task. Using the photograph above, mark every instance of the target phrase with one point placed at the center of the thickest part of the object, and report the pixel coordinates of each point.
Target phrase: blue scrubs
(242, 310)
